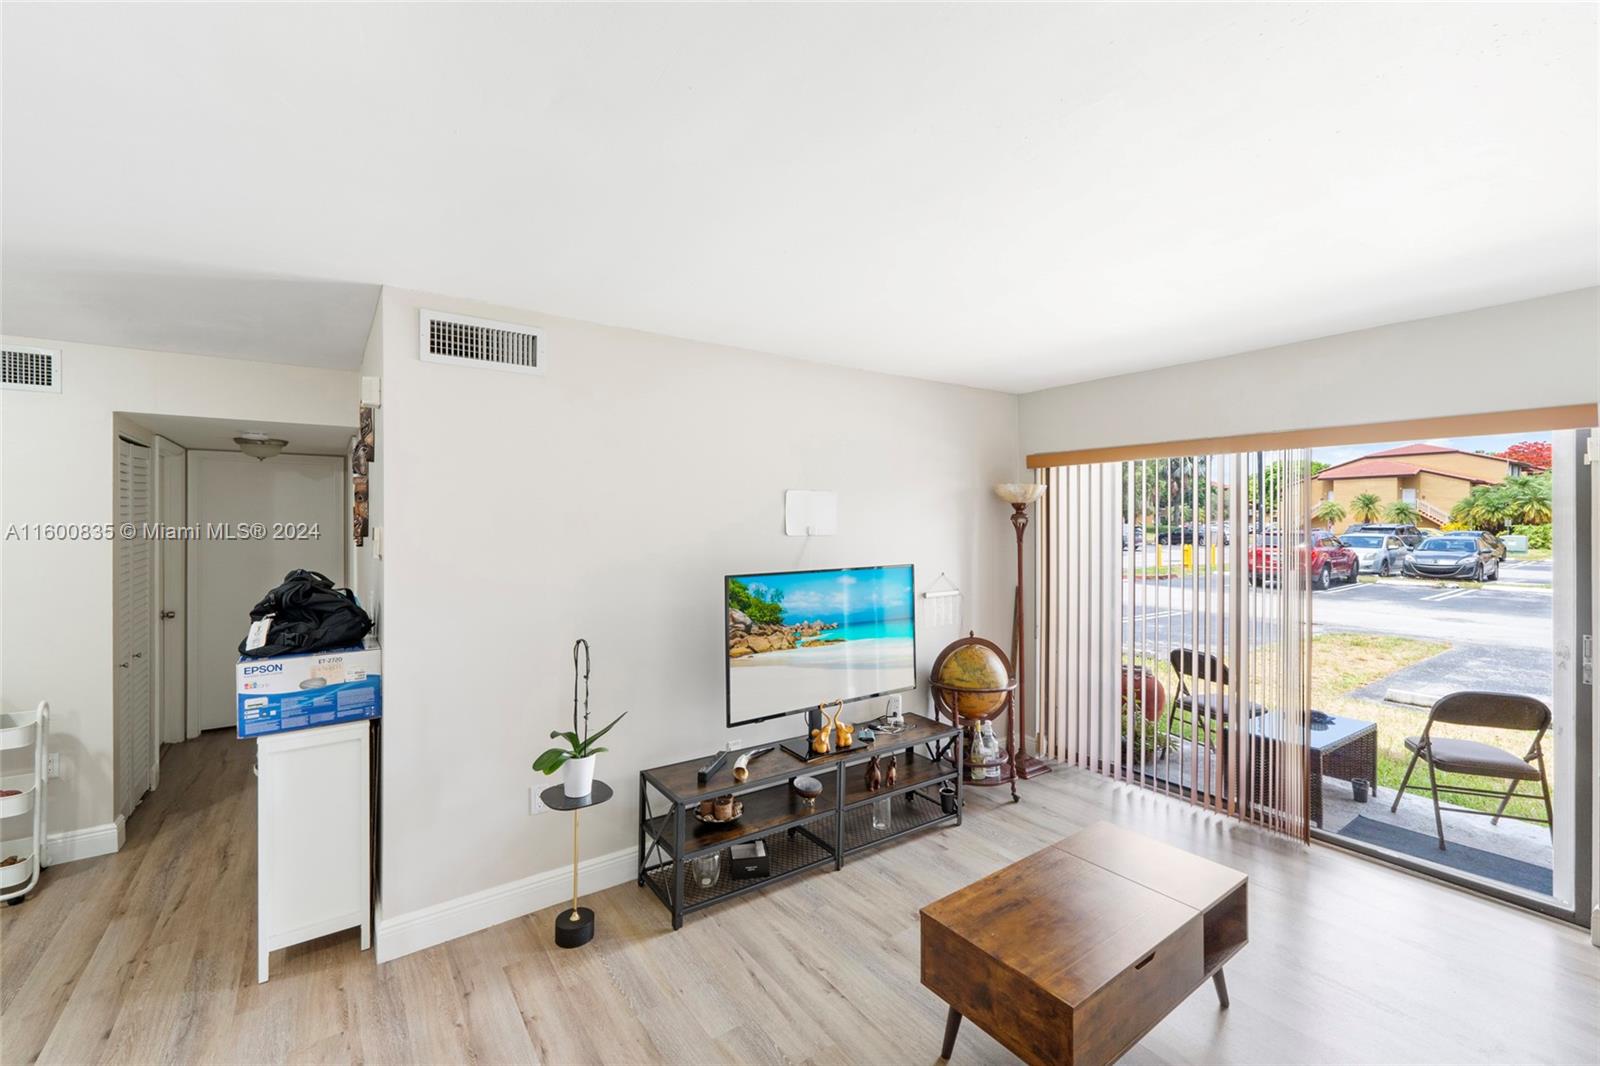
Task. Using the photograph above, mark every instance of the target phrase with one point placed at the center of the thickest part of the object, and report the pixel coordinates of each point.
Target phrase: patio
(1514, 854)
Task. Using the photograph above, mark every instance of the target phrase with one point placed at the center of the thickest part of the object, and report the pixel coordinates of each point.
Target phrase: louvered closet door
(135, 585)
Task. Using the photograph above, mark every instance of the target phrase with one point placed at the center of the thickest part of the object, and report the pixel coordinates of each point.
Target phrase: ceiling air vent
(31, 369)
(478, 342)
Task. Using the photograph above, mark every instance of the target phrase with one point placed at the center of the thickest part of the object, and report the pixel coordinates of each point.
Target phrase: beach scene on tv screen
(797, 640)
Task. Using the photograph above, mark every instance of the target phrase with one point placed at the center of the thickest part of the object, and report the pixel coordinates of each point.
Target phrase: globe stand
(947, 703)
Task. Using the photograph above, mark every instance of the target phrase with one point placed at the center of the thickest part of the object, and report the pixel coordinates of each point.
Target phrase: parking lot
(1500, 633)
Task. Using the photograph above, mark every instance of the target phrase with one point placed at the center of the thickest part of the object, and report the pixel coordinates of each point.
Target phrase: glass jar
(705, 868)
(882, 814)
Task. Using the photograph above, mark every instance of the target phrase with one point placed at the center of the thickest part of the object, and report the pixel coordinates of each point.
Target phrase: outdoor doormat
(1515, 872)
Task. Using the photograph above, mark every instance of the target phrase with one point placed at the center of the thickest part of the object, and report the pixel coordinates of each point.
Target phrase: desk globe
(972, 678)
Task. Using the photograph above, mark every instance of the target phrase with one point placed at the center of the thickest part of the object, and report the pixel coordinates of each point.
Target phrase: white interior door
(297, 501)
(172, 500)
(134, 605)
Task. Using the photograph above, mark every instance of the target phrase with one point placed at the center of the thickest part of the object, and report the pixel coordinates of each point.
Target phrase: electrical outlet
(52, 764)
(535, 804)
(893, 705)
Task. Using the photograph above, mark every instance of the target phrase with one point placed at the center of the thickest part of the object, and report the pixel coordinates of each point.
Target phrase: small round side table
(575, 927)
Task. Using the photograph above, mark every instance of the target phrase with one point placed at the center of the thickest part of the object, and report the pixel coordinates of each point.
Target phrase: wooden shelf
(679, 783)
(904, 817)
(790, 854)
(770, 808)
(921, 772)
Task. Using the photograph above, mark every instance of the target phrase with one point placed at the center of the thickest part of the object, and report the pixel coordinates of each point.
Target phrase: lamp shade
(1022, 492)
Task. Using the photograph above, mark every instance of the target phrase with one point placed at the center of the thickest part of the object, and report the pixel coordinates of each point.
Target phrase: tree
(1401, 513)
(1329, 511)
(1365, 507)
(1527, 500)
(763, 606)
(1534, 454)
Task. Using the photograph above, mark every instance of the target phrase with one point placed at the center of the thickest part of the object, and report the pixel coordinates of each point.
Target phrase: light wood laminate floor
(148, 956)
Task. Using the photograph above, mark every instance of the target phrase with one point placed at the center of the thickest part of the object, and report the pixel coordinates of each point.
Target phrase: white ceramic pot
(579, 776)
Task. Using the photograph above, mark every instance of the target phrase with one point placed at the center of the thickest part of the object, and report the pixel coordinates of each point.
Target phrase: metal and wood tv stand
(798, 836)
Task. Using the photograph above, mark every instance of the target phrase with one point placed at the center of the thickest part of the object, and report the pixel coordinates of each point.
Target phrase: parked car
(1328, 559)
(1378, 553)
(1463, 555)
(1137, 535)
(1410, 535)
(1495, 542)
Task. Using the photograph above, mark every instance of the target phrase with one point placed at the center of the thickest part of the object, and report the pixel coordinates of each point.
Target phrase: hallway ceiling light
(260, 445)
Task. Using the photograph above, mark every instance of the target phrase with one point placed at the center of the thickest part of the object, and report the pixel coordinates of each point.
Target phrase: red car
(1330, 559)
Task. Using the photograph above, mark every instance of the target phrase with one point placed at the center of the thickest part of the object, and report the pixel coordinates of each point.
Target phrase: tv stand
(799, 837)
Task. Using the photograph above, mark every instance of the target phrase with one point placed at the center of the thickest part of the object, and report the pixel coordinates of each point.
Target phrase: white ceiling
(1008, 196)
(216, 434)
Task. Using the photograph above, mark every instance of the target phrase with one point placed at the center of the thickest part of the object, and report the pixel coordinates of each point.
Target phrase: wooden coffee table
(1074, 953)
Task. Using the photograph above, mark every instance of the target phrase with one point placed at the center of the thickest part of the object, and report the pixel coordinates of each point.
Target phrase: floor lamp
(1019, 496)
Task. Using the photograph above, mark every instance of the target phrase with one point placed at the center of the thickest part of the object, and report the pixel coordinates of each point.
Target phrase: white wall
(606, 499)
(56, 466)
(1535, 353)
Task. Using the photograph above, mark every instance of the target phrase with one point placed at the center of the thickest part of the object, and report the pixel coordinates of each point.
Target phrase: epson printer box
(300, 691)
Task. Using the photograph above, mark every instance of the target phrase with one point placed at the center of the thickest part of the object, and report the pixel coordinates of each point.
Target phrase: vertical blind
(1174, 642)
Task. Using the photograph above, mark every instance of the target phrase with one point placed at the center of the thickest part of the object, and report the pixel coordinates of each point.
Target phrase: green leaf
(596, 736)
(551, 760)
(570, 738)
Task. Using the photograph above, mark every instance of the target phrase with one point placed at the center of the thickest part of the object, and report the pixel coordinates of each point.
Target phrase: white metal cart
(22, 796)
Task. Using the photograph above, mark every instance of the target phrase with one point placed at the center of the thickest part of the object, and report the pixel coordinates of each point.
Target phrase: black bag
(309, 614)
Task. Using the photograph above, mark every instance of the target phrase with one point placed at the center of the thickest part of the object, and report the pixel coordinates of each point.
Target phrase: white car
(1379, 553)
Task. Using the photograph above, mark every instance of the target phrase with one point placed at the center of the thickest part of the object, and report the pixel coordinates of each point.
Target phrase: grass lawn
(1345, 662)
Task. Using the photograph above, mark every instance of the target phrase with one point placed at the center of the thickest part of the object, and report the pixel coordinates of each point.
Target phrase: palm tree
(1401, 513)
(1329, 511)
(1528, 500)
(1364, 508)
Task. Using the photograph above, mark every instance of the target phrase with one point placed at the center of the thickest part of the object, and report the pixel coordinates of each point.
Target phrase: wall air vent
(31, 369)
(479, 342)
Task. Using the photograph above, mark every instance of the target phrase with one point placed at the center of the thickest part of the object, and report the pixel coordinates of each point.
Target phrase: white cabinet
(313, 818)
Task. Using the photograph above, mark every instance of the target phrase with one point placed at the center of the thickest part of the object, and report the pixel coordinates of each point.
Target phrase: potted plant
(577, 757)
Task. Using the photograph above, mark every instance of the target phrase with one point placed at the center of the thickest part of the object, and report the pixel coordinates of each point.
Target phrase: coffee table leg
(1222, 988)
(951, 1024)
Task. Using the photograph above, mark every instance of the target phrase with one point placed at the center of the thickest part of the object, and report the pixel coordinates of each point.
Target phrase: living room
(687, 367)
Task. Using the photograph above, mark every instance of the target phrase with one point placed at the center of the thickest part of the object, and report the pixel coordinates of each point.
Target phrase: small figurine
(844, 733)
(819, 737)
(889, 776)
(874, 774)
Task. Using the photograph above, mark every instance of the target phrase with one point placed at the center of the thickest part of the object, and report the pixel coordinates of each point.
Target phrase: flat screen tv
(805, 637)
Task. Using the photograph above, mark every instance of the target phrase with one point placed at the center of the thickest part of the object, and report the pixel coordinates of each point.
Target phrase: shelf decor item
(706, 868)
(843, 732)
(882, 814)
(807, 788)
(575, 926)
(1020, 496)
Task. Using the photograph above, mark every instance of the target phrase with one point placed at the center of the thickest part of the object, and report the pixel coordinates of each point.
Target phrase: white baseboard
(74, 844)
(415, 930)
